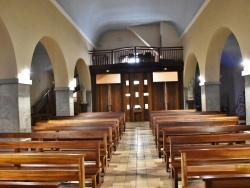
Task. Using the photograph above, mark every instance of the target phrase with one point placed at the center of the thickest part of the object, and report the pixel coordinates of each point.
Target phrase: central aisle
(135, 164)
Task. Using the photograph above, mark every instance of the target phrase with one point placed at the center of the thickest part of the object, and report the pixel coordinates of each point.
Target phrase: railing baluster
(105, 57)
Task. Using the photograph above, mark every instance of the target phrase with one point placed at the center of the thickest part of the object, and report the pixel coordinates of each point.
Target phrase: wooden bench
(120, 115)
(77, 125)
(91, 149)
(39, 175)
(217, 164)
(99, 120)
(195, 130)
(165, 113)
(201, 121)
(178, 143)
(65, 135)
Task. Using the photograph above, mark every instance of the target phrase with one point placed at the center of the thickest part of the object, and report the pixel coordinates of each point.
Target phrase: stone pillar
(210, 96)
(64, 102)
(89, 100)
(15, 111)
(247, 98)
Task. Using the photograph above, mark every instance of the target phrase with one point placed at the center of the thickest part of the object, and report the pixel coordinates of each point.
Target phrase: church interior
(121, 76)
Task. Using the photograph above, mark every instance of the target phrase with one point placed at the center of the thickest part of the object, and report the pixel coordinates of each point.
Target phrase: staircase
(45, 107)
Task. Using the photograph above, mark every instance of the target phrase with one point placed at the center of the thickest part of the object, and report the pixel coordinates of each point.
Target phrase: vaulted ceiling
(95, 17)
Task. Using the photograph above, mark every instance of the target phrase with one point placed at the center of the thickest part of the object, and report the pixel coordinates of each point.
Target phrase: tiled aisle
(135, 164)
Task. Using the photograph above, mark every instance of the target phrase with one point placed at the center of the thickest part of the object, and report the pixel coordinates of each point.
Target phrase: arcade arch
(8, 65)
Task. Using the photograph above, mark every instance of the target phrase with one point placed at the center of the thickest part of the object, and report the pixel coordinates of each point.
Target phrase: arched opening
(49, 72)
(82, 95)
(197, 89)
(211, 97)
(232, 89)
(42, 96)
(191, 81)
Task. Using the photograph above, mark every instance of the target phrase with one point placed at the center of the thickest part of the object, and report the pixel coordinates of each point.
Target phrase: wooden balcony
(135, 55)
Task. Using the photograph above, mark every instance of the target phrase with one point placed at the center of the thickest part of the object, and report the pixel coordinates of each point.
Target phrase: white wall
(118, 39)
(169, 36)
(155, 35)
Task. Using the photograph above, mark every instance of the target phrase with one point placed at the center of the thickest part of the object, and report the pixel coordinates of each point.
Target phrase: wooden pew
(91, 150)
(39, 174)
(217, 164)
(164, 113)
(195, 130)
(99, 120)
(192, 118)
(74, 123)
(190, 121)
(77, 126)
(120, 115)
(178, 143)
(65, 135)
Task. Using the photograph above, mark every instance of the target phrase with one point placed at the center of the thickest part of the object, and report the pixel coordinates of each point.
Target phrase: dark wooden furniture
(136, 111)
(214, 165)
(217, 140)
(155, 100)
(32, 168)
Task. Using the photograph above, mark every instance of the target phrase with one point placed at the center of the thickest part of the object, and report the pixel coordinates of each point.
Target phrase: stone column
(89, 100)
(247, 98)
(64, 101)
(15, 111)
(210, 96)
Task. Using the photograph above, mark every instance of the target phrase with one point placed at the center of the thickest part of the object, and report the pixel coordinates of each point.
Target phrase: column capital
(212, 83)
(62, 89)
(9, 81)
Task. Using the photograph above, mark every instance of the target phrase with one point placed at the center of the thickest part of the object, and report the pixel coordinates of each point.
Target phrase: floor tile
(135, 163)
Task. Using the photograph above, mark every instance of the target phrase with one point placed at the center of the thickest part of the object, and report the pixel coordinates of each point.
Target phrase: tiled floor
(135, 164)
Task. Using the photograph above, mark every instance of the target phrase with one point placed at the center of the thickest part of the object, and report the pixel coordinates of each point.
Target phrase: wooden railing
(135, 55)
(46, 104)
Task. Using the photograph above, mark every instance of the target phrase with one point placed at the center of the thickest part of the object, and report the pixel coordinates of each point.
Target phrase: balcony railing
(136, 55)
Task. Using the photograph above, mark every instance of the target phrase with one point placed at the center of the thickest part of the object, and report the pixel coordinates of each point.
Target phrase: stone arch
(190, 82)
(83, 73)
(214, 52)
(190, 68)
(83, 80)
(8, 64)
(57, 60)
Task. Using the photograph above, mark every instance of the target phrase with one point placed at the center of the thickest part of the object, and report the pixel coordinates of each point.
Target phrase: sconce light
(246, 65)
(72, 84)
(202, 81)
(24, 77)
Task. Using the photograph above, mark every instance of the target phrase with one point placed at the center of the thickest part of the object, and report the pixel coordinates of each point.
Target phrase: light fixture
(136, 82)
(202, 81)
(72, 84)
(246, 65)
(24, 77)
(127, 82)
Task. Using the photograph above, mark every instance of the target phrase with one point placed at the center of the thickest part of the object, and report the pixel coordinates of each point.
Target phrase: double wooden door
(138, 91)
